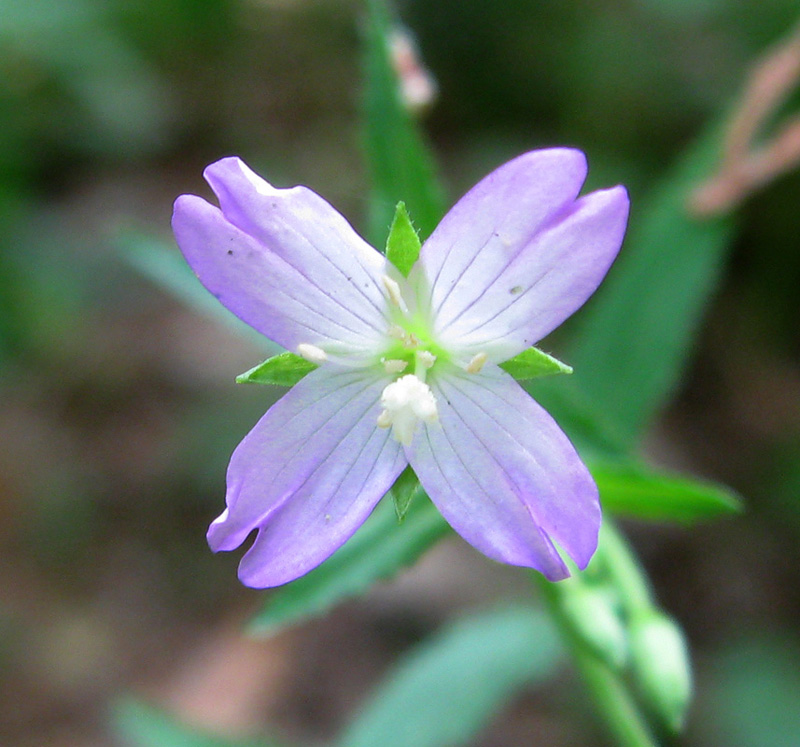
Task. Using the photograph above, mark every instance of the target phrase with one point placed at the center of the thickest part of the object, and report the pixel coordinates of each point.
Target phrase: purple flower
(407, 366)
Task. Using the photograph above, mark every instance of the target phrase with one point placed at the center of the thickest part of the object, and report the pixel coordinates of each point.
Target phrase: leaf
(532, 363)
(405, 489)
(141, 725)
(636, 334)
(399, 161)
(752, 690)
(161, 263)
(591, 429)
(446, 690)
(403, 244)
(635, 490)
(377, 551)
(284, 369)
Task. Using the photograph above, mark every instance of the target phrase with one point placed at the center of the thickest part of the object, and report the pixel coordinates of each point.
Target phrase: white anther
(405, 402)
(397, 332)
(476, 364)
(312, 353)
(394, 365)
(393, 291)
(426, 358)
(410, 340)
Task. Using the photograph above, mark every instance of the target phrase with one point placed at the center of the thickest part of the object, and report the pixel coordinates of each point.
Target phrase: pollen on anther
(476, 364)
(384, 419)
(312, 353)
(393, 291)
(394, 365)
(426, 358)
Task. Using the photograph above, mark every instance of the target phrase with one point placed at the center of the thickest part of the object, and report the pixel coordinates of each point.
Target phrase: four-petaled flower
(407, 366)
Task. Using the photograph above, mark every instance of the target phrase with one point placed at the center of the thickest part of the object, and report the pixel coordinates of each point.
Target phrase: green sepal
(284, 369)
(403, 244)
(533, 363)
(405, 488)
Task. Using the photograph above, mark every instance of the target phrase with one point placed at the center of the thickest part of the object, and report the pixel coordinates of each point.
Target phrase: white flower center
(405, 402)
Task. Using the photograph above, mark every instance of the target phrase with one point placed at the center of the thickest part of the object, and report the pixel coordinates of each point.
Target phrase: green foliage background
(119, 405)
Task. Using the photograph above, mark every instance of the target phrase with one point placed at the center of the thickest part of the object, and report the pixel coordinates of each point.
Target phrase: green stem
(615, 704)
(624, 569)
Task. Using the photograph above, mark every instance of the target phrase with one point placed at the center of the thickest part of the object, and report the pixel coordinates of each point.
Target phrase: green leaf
(405, 489)
(752, 689)
(533, 363)
(403, 244)
(377, 551)
(399, 161)
(589, 427)
(636, 334)
(140, 725)
(447, 689)
(284, 369)
(159, 261)
(634, 490)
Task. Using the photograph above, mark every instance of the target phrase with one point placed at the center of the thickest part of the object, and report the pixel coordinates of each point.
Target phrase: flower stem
(616, 705)
(624, 569)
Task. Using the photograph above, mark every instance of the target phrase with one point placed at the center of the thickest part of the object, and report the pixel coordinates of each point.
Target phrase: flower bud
(593, 618)
(661, 667)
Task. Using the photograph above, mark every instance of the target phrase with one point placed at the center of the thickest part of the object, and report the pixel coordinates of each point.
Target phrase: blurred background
(119, 410)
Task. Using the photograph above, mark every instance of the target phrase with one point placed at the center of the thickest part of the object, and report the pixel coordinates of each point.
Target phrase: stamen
(426, 358)
(410, 340)
(394, 365)
(393, 291)
(397, 332)
(312, 353)
(476, 364)
(384, 419)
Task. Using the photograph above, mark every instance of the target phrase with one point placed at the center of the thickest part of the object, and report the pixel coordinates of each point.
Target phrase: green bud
(594, 619)
(661, 667)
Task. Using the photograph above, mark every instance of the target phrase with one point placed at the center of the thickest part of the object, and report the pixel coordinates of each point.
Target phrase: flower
(407, 366)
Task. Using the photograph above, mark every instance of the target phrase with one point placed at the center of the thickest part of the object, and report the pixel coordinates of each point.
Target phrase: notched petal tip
(572, 160)
(222, 536)
(230, 167)
(184, 207)
(617, 201)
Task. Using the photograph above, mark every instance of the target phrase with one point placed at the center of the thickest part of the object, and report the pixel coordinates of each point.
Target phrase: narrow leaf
(284, 369)
(446, 690)
(533, 363)
(752, 689)
(162, 264)
(589, 427)
(377, 551)
(403, 244)
(400, 165)
(635, 490)
(637, 334)
(141, 725)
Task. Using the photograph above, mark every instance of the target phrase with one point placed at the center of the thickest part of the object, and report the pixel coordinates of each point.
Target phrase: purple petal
(307, 475)
(284, 261)
(504, 475)
(539, 286)
(496, 218)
